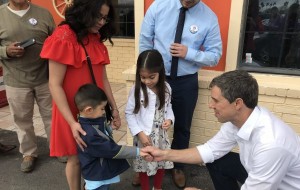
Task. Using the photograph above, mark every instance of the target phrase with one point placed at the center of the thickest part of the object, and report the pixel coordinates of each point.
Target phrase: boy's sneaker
(28, 163)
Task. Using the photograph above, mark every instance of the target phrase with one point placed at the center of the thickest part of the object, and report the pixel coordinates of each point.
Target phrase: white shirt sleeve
(206, 153)
(223, 142)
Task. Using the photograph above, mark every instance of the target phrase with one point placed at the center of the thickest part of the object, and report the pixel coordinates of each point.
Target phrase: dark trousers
(227, 171)
(184, 99)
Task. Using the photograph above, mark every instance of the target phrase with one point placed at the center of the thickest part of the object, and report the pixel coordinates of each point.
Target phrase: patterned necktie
(179, 29)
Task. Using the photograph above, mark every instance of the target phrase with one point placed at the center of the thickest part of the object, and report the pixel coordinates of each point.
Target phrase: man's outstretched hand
(156, 153)
(145, 155)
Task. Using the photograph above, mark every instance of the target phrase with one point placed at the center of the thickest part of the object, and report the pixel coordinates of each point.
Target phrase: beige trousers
(21, 104)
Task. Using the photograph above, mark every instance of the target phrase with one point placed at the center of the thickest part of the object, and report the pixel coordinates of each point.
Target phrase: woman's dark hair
(83, 14)
(152, 61)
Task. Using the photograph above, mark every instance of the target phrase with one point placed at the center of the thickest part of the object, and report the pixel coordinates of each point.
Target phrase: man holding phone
(27, 43)
(25, 73)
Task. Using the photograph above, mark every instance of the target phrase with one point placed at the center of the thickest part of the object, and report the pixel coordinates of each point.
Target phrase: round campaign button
(193, 29)
(32, 21)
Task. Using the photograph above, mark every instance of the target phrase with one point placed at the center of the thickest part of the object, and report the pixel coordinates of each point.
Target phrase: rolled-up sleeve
(206, 153)
(219, 145)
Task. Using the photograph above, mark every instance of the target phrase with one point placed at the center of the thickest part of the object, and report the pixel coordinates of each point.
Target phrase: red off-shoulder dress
(62, 47)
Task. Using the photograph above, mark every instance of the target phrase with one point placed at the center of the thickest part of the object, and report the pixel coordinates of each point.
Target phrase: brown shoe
(178, 178)
(6, 148)
(28, 163)
(136, 180)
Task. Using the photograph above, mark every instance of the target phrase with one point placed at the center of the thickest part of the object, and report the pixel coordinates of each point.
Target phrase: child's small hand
(166, 124)
(145, 140)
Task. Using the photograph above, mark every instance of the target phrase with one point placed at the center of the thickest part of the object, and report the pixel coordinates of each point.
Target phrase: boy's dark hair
(237, 84)
(152, 61)
(83, 14)
(89, 95)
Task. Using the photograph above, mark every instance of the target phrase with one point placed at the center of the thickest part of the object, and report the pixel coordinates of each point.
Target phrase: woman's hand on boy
(77, 130)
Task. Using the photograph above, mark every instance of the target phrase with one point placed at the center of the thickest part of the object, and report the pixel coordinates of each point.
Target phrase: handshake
(152, 154)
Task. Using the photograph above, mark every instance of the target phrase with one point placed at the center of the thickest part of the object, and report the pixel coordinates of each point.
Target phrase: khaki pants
(21, 104)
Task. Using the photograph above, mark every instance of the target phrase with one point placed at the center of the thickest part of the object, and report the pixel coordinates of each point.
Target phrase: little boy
(102, 160)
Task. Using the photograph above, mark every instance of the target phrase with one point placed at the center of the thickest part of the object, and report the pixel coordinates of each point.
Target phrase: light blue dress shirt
(201, 30)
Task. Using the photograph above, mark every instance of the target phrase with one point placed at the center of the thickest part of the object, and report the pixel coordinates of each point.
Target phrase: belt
(182, 77)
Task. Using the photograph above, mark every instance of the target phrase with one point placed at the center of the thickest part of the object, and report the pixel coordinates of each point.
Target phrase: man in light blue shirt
(201, 45)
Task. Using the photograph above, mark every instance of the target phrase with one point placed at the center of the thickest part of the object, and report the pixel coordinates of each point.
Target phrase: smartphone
(27, 43)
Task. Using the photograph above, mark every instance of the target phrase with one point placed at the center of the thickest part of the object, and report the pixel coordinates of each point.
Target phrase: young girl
(149, 114)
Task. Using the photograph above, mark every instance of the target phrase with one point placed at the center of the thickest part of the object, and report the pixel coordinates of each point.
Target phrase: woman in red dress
(90, 22)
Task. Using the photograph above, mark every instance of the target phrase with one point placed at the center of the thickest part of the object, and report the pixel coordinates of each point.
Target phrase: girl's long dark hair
(152, 61)
(83, 14)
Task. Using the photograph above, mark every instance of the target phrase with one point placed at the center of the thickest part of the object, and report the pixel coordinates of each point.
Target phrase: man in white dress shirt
(269, 156)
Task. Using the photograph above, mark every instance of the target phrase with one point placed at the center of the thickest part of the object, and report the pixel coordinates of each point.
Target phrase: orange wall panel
(222, 10)
(147, 3)
(48, 4)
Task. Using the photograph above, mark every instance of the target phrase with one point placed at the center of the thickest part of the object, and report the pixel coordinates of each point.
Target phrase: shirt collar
(19, 12)
(179, 5)
(246, 130)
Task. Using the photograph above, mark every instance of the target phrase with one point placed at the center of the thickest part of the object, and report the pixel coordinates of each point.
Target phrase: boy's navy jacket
(102, 159)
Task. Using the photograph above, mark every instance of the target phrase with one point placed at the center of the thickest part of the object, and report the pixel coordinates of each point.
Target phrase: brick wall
(282, 99)
(121, 57)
